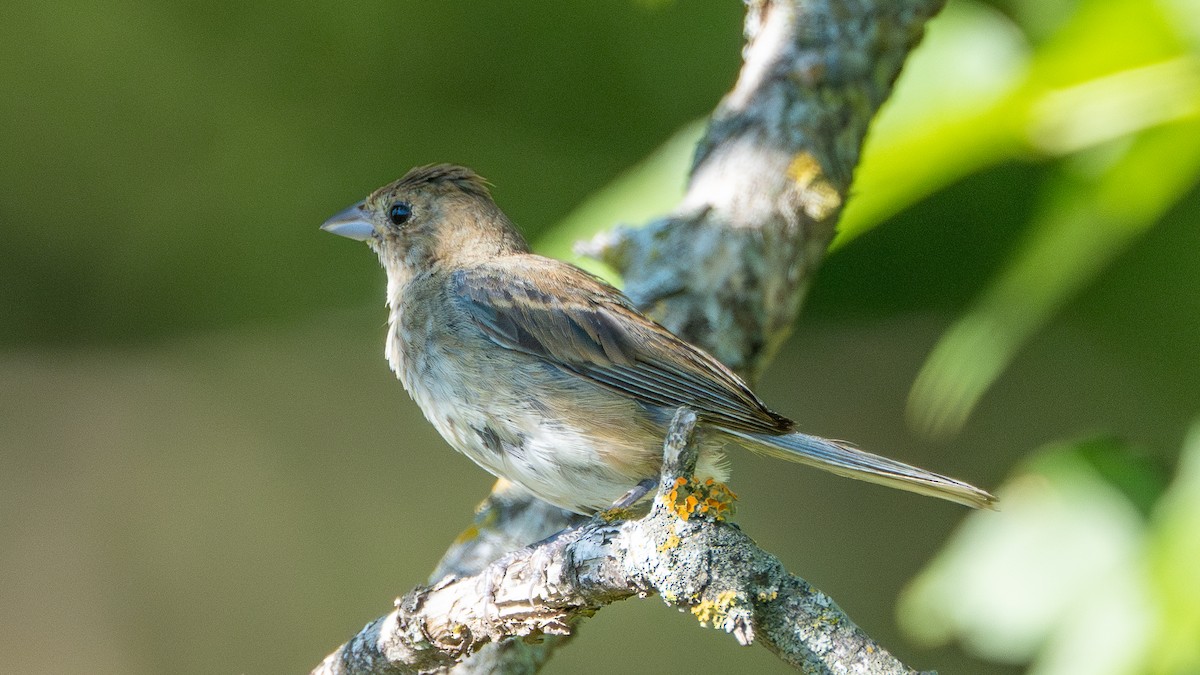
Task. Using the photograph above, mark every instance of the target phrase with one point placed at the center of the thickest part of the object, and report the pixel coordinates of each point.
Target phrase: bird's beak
(351, 223)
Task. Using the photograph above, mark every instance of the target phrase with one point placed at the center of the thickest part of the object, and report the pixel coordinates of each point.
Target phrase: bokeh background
(206, 467)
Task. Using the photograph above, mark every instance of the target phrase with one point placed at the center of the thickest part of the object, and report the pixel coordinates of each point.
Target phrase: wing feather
(587, 328)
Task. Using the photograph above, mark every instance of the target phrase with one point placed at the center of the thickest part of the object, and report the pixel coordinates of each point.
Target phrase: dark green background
(205, 465)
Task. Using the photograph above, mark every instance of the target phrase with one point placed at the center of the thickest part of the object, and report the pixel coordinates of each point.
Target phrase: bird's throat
(398, 278)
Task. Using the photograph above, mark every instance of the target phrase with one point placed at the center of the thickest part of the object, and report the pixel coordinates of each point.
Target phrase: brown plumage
(584, 326)
(547, 375)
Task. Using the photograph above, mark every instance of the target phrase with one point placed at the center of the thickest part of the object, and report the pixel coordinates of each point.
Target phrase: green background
(206, 466)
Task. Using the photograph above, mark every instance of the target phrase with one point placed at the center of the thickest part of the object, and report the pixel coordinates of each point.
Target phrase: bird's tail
(843, 460)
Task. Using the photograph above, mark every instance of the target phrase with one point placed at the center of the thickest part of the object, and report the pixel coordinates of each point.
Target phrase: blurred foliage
(1109, 102)
(166, 164)
(1125, 113)
(1073, 575)
(206, 467)
(1114, 93)
(1085, 570)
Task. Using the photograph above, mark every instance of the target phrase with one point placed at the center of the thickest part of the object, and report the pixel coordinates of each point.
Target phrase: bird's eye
(399, 213)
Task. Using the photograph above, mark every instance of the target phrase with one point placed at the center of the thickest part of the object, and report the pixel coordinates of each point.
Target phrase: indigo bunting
(548, 376)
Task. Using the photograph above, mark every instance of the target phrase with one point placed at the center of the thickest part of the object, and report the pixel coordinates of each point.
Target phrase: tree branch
(727, 271)
(729, 268)
(700, 563)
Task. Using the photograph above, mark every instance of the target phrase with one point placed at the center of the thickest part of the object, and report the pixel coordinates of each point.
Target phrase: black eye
(399, 213)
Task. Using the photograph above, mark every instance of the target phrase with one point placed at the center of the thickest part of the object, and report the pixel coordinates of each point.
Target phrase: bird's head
(437, 214)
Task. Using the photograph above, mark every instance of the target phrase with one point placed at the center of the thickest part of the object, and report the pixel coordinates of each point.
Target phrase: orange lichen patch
(689, 497)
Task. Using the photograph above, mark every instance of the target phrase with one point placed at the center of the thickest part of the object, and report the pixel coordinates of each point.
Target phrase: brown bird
(548, 376)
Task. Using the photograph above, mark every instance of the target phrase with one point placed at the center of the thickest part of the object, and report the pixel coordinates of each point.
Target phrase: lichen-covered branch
(689, 557)
(727, 271)
(729, 268)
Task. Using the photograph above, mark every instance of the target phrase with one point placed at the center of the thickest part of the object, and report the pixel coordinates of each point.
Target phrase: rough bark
(727, 270)
(700, 563)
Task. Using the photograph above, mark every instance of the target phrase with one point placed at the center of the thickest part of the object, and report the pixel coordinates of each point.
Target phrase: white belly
(568, 441)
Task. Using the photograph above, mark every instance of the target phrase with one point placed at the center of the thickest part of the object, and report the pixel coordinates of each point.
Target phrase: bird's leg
(679, 458)
(635, 493)
(620, 508)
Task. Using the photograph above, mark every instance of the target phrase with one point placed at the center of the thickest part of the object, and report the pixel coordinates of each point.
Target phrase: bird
(550, 377)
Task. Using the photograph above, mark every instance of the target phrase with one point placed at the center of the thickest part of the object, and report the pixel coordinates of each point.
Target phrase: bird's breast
(567, 440)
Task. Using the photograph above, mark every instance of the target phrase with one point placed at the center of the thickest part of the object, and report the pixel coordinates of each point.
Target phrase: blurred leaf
(972, 95)
(1140, 126)
(1055, 575)
(1067, 575)
(1086, 223)
(948, 117)
(1082, 228)
(1184, 16)
(1174, 552)
(1104, 37)
(1138, 479)
(1100, 110)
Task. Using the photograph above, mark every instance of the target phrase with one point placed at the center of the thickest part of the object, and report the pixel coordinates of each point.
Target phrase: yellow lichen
(804, 169)
(818, 197)
(715, 611)
(671, 542)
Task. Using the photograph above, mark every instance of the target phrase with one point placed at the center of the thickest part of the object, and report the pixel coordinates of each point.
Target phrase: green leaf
(949, 116)
(1069, 576)
(1055, 575)
(1115, 91)
(1091, 216)
(1175, 568)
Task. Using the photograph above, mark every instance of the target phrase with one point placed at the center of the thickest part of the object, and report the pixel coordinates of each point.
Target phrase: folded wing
(587, 328)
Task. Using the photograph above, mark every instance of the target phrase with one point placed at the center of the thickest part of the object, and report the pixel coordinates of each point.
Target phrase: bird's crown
(441, 176)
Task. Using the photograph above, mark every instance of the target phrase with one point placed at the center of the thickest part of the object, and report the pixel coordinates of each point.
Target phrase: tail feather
(850, 462)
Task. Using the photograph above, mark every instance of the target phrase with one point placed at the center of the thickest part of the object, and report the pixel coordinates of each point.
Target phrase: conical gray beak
(351, 223)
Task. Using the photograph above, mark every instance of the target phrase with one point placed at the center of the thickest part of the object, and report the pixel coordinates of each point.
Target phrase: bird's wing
(582, 325)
